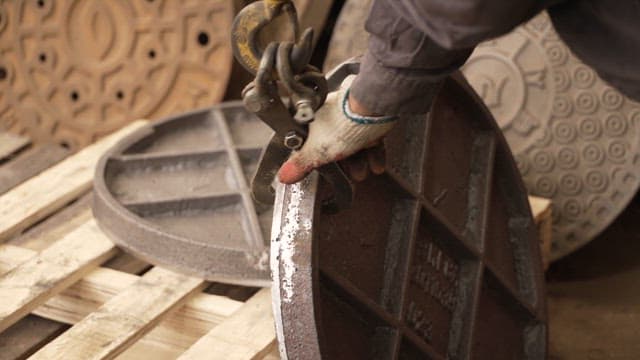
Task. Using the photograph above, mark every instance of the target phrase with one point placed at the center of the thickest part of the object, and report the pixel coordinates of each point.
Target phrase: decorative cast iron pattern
(438, 258)
(576, 139)
(74, 70)
(176, 193)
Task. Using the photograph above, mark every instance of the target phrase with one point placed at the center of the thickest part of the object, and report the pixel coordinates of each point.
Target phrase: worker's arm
(414, 45)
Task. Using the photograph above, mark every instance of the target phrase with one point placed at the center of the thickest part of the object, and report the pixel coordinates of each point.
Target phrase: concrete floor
(594, 296)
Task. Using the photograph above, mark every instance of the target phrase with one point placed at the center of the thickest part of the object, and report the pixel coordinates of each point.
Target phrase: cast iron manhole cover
(175, 193)
(438, 258)
(72, 70)
(576, 140)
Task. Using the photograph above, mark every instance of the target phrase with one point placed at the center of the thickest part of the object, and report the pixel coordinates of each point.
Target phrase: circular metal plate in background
(438, 258)
(576, 140)
(73, 70)
(176, 194)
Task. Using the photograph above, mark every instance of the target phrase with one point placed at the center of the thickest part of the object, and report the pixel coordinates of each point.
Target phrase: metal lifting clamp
(284, 63)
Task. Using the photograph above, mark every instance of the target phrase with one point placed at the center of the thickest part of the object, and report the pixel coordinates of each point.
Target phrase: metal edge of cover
(138, 205)
(426, 264)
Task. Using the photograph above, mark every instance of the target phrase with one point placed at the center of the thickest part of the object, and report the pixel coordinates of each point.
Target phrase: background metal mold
(73, 71)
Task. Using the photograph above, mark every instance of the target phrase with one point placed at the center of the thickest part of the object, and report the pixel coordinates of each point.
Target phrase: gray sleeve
(414, 44)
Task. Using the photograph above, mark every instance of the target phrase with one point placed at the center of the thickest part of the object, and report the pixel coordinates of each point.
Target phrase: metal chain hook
(252, 19)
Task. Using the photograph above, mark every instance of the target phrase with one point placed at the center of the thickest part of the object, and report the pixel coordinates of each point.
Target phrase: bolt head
(304, 113)
(293, 141)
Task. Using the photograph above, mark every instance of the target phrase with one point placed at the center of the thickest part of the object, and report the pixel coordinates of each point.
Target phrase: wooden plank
(30, 284)
(40, 196)
(127, 263)
(538, 206)
(240, 293)
(10, 144)
(541, 209)
(63, 222)
(172, 337)
(33, 332)
(123, 319)
(30, 163)
(48, 233)
(55, 227)
(37, 331)
(177, 333)
(248, 334)
(12, 256)
(99, 286)
(274, 354)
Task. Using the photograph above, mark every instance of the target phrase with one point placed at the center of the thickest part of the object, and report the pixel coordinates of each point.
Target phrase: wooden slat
(169, 339)
(12, 256)
(66, 220)
(38, 197)
(248, 334)
(43, 238)
(177, 333)
(30, 284)
(123, 319)
(28, 164)
(10, 143)
(538, 205)
(541, 209)
(56, 226)
(127, 263)
(102, 284)
(274, 354)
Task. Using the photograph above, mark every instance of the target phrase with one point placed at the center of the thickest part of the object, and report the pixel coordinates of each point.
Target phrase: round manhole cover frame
(128, 224)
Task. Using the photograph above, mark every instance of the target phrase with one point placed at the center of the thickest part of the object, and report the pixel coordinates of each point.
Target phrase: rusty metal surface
(75, 70)
(437, 258)
(176, 194)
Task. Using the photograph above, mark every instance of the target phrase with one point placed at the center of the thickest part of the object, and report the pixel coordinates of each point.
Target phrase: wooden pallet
(56, 264)
(57, 274)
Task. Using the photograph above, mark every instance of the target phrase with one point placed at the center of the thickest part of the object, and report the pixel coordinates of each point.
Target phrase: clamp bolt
(293, 141)
(304, 112)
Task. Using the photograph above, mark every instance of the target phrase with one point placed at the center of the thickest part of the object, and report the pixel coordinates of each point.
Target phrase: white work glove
(335, 134)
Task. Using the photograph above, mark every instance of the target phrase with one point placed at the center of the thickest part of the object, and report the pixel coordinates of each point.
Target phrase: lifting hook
(253, 19)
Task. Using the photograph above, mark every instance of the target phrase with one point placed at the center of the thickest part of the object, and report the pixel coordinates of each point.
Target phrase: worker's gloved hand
(336, 133)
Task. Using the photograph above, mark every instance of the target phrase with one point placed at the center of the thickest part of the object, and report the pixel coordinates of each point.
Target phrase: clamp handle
(261, 99)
